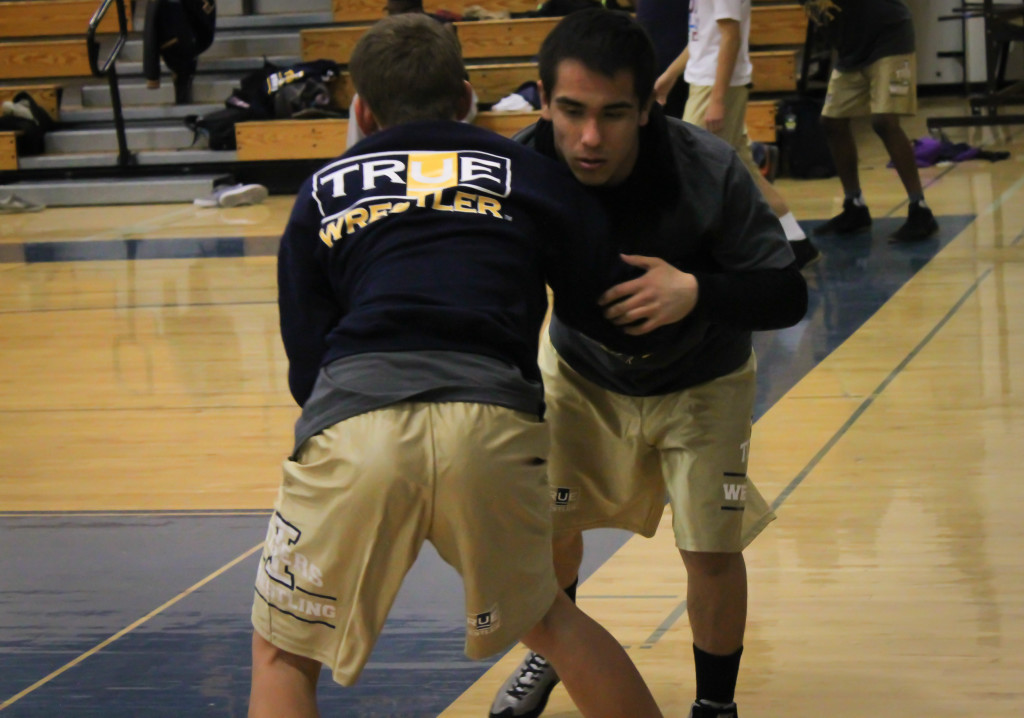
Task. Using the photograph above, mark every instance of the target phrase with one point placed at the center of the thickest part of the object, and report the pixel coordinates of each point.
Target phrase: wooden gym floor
(144, 413)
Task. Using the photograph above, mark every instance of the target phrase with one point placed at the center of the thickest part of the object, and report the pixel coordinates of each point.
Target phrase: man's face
(597, 122)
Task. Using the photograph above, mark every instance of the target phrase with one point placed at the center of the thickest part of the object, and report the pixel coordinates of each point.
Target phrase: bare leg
(900, 150)
(283, 684)
(844, 152)
(600, 678)
(568, 550)
(716, 600)
(771, 195)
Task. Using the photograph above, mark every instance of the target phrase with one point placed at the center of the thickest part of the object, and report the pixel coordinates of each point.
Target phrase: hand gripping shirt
(414, 268)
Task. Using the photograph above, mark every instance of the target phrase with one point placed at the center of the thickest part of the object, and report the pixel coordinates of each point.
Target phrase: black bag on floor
(32, 131)
(803, 150)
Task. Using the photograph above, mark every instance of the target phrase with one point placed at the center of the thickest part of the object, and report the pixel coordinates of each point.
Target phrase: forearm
(678, 66)
(755, 301)
(728, 52)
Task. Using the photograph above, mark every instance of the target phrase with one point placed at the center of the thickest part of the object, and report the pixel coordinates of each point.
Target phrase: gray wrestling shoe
(526, 692)
(707, 709)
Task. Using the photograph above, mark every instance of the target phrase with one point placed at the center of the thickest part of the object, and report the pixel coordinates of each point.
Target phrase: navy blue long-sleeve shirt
(438, 237)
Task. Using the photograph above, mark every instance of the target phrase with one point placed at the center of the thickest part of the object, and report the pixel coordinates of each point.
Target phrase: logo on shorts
(564, 498)
(735, 492)
(480, 624)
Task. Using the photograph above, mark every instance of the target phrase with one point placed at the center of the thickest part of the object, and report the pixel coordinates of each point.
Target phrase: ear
(545, 101)
(645, 110)
(363, 116)
(465, 102)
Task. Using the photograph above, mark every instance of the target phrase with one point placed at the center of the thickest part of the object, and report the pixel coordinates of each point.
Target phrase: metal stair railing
(109, 70)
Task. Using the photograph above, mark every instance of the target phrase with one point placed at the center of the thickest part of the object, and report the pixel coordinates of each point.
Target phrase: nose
(591, 134)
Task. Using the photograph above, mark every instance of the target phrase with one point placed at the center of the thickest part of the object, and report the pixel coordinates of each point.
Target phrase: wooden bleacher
(773, 28)
(324, 139)
(32, 33)
(45, 18)
(491, 39)
(491, 82)
(370, 10)
(777, 25)
(28, 59)
(8, 152)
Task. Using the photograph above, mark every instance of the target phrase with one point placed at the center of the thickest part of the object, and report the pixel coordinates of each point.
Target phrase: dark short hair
(409, 68)
(606, 42)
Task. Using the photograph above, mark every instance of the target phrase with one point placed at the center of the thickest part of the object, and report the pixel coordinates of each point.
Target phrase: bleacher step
(274, 22)
(227, 45)
(231, 8)
(238, 65)
(109, 159)
(146, 137)
(205, 90)
(84, 192)
(140, 113)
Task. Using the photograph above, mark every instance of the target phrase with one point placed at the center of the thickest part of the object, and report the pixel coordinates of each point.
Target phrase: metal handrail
(109, 70)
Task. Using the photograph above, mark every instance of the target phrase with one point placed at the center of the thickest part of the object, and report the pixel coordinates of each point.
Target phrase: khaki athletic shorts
(735, 130)
(614, 458)
(885, 87)
(354, 510)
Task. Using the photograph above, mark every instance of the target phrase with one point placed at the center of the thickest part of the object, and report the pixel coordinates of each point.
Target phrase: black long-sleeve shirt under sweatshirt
(691, 202)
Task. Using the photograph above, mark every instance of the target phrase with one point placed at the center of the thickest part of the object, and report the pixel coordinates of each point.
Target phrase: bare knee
(835, 126)
(265, 655)
(886, 126)
(568, 554)
(711, 564)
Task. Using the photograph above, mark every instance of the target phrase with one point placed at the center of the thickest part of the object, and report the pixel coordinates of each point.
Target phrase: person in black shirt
(875, 74)
(630, 425)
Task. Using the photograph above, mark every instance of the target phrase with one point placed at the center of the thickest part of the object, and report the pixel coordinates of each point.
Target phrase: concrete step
(207, 89)
(139, 138)
(239, 65)
(141, 113)
(273, 7)
(109, 159)
(226, 45)
(296, 20)
(146, 190)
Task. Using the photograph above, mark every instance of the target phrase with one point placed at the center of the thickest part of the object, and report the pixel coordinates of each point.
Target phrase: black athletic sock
(570, 591)
(716, 675)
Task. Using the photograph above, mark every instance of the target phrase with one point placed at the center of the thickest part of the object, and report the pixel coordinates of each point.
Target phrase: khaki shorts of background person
(888, 86)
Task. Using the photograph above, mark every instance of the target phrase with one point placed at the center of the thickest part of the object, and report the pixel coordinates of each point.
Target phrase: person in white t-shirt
(718, 69)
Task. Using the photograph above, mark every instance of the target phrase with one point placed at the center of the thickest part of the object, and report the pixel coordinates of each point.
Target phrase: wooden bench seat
(8, 151)
(324, 139)
(778, 25)
(774, 71)
(46, 96)
(26, 59)
(771, 24)
(491, 82)
(371, 10)
(492, 39)
(44, 18)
